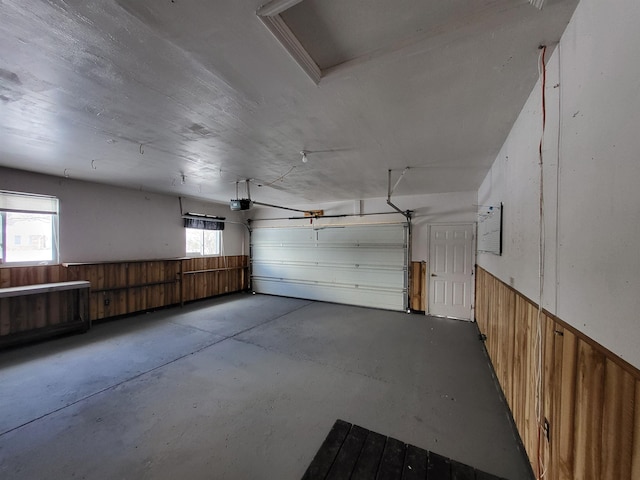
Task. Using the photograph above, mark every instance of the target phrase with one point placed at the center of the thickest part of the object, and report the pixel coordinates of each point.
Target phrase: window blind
(203, 224)
(28, 203)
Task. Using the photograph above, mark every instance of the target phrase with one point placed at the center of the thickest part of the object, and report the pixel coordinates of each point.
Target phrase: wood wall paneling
(210, 276)
(635, 447)
(563, 422)
(136, 278)
(5, 318)
(588, 412)
(418, 288)
(117, 288)
(590, 397)
(617, 427)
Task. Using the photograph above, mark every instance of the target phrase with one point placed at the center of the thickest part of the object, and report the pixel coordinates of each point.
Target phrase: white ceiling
(139, 93)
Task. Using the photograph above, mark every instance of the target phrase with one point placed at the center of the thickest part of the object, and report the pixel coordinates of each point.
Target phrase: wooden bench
(33, 312)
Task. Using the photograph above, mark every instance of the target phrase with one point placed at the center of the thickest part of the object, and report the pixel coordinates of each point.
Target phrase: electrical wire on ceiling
(441, 166)
(279, 179)
(304, 154)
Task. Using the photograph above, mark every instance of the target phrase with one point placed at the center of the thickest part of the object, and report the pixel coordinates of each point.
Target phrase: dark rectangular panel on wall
(590, 398)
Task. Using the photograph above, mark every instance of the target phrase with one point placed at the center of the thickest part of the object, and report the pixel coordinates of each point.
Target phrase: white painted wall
(592, 193)
(104, 223)
(458, 207)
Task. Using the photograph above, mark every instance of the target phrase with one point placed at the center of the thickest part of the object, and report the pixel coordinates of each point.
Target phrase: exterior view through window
(28, 228)
(202, 242)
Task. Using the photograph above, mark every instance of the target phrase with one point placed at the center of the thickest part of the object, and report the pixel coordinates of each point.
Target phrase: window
(203, 242)
(203, 235)
(28, 228)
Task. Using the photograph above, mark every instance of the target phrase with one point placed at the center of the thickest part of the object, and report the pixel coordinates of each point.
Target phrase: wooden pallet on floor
(354, 453)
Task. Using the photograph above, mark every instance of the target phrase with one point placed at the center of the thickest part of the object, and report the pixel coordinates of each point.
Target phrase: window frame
(218, 243)
(54, 213)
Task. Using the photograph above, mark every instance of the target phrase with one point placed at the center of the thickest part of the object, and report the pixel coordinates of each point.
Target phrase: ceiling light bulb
(304, 156)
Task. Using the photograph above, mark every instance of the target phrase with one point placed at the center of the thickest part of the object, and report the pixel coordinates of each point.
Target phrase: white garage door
(362, 265)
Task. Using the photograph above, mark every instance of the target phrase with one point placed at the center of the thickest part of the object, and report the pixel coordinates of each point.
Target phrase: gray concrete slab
(87, 364)
(257, 402)
(229, 315)
(438, 360)
(55, 374)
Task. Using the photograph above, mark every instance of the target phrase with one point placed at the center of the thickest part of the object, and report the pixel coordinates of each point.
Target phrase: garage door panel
(331, 274)
(351, 256)
(370, 297)
(358, 265)
(361, 235)
(282, 254)
(298, 235)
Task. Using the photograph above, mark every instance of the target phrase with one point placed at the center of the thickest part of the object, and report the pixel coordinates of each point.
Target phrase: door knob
(434, 275)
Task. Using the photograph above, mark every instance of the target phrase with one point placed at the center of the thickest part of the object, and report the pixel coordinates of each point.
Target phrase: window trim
(10, 202)
(202, 254)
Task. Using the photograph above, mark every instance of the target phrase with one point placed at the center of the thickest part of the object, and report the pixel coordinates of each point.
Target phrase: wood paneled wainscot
(210, 276)
(418, 282)
(117, 288)
(590, 398)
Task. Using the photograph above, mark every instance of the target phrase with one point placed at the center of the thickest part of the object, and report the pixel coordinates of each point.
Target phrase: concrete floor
(247, 387)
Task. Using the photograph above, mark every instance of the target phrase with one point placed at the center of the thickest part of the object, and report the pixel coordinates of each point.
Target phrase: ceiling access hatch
(326, 35)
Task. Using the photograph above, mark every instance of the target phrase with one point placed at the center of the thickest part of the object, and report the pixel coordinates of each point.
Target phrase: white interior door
(451, 270)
